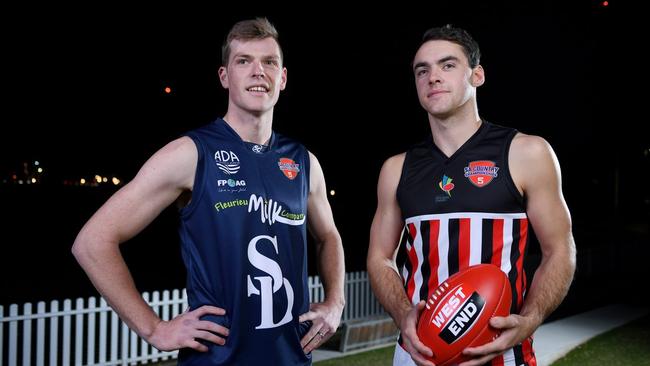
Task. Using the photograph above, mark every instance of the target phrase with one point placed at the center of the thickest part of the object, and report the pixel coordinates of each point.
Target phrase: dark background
(83, 93)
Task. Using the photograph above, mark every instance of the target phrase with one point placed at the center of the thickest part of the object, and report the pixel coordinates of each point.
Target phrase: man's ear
(223, 76)
(283, 79)
(478, 76)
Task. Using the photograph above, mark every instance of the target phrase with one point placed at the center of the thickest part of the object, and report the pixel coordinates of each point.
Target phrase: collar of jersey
(235, 136)
(470, 141)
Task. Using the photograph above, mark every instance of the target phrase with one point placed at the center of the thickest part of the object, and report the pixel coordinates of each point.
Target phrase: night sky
(83, 93)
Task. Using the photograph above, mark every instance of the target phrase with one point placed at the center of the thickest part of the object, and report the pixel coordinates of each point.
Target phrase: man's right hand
(185, 331)
(410, 340)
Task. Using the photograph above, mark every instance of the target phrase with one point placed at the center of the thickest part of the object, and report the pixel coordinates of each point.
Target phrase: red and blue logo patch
(289, 167)
(481, 172)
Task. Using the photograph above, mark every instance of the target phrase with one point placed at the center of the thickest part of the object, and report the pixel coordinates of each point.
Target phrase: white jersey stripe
(443, 249)
(507, 246)
(466, 215)
(509, 358)
(417, 245)
(476, 241)
(405, 272)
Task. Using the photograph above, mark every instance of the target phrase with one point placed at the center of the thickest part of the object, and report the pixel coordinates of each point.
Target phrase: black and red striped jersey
(463, 210)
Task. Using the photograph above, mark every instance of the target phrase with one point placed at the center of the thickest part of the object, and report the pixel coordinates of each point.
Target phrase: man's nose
(258, 69)
(434, 76)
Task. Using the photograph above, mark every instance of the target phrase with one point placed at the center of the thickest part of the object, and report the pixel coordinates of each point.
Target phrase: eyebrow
(266, 57)
(440, 61)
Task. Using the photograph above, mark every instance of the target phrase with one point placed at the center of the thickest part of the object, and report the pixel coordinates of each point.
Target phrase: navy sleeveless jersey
(243, 240)
(463, 210)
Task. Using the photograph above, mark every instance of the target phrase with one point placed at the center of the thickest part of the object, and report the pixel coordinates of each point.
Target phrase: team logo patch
(446, 185)
(289, 168)
(227, 161)
(481, 172)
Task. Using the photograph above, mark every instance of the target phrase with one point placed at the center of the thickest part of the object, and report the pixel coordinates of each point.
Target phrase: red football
(458, 312)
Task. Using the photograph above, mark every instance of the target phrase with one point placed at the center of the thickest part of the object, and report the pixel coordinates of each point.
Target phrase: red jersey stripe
(464, 243)
(434, 261)
(523, 233)
(413, 259)
(497, 242)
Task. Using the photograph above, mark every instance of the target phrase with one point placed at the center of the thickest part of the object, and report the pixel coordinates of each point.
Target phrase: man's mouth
(258, 88)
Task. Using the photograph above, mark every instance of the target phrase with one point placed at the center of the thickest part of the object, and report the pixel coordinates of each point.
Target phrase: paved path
(555, 339)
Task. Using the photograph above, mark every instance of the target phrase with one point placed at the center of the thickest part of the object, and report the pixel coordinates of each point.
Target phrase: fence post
(318, 297)
(115, 332)
(134, 347)
(40, 334)
(65, 355)
(103, 330)
(125, 343)
(27, 335)
(54, 333)
(92, 307)
(79, 332)
(176, 297)
(13, 336)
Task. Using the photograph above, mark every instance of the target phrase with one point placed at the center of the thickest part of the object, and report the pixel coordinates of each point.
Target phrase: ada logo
(289, 168)
(481, 172)
(227, 161)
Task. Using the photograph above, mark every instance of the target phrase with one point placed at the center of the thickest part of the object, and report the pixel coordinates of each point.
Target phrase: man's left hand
(514, 329)
(326, 318)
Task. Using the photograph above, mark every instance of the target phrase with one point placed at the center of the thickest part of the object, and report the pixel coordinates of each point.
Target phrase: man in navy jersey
(464, 196)
(247, 194)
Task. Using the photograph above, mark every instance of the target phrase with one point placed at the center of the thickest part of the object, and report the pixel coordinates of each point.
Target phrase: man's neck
(251, 128)
(449, 134)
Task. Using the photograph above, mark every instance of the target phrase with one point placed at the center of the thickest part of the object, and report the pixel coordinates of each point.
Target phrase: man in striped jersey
(464, 196)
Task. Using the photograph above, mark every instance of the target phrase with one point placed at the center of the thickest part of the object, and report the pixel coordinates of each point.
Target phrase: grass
(628, 345)
(377, 357)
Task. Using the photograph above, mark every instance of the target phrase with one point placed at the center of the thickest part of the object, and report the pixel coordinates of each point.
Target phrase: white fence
(99, 337)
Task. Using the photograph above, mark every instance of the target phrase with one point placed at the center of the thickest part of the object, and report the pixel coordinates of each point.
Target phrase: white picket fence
(99, 337)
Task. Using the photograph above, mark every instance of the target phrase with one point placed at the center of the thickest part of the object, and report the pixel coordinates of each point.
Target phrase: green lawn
(377, 357)
(628, 345)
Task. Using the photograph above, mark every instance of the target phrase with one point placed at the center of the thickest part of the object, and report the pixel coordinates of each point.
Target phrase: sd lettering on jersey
(268, 285)
(458, 315)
